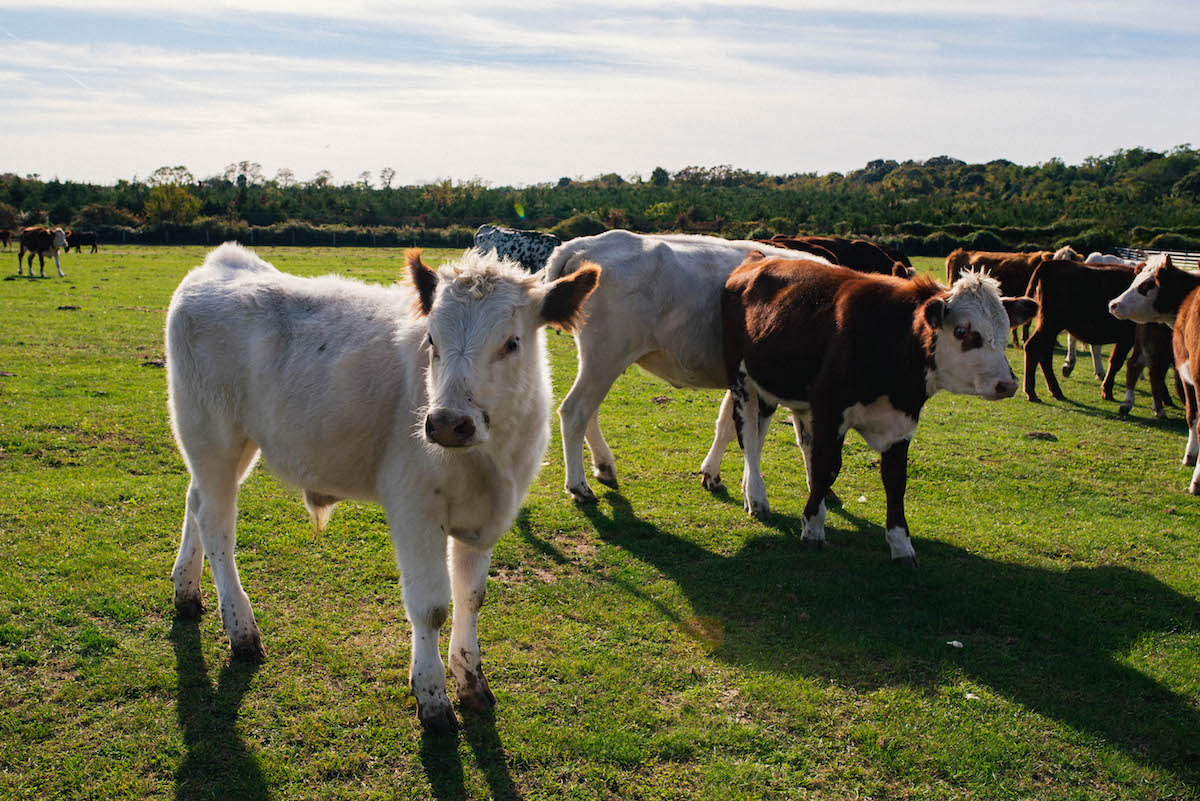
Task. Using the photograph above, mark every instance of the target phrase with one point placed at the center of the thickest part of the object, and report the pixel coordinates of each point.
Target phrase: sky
(527, 92)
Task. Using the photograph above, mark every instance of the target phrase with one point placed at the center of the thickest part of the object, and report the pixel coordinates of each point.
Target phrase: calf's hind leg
(210, 516)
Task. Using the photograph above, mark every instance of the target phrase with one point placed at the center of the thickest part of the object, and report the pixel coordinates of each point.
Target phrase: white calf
(658, 307)
(433, 403)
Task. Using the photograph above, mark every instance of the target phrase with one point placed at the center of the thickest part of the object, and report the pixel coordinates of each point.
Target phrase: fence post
(334, 238)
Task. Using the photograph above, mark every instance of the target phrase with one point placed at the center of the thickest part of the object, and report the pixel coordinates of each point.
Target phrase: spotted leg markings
(473, 691)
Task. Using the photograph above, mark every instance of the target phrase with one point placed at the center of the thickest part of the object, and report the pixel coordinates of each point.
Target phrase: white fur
(1067, 253)
(975, 300)
(658, 306)
(329, 378)
(1132, 304)
(1096, 257)
(879, 423)
(900, 543)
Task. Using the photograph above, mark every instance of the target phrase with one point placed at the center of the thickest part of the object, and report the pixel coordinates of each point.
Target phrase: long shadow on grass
(443, 767)
(1048, 640)
(218, 764)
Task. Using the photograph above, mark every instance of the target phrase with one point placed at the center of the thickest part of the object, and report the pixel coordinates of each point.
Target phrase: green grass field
(659, 645)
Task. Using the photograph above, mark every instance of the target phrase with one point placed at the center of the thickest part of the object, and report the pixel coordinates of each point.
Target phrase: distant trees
(171, 204)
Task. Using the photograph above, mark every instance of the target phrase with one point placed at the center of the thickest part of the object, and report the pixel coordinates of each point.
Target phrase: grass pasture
(658, 645)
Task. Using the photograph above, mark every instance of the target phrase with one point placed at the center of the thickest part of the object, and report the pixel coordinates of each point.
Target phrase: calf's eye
(432, 347)
(510, 346)
(960, 332)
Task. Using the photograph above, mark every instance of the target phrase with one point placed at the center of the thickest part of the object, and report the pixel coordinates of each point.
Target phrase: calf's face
(485, 357)
(1140, 302)
(60, 239)
(972, 327)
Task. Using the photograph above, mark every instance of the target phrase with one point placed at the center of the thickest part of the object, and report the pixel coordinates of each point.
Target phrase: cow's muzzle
(452, 429)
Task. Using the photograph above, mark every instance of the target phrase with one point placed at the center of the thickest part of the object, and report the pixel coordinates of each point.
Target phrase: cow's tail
(956, 263)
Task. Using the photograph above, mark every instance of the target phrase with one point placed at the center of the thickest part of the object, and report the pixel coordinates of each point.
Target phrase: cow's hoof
(832, 499)
(439, 720)
(905, 561)
(189, 608)
(582, 494)
(1067, 369)
(758, 510)
(1058, 396)
(478, 701)
(1194, 488)
(606, 474)
(712, 483)
(1108, 396)
(250, 649)
(1032, 398)
(814, 544)
(1189, 460)
(1124, 409)
(1160, 414)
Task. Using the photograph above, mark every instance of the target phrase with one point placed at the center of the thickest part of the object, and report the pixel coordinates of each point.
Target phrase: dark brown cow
(857, 254)
(1163, 293)
(800, 245)
(6, 239)
(82, 240)
(1073, 297)
(41, 242)
(1012, 270)
(846, 350)
(1151, 352)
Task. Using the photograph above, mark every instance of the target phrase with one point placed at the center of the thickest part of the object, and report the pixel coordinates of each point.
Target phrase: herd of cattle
(431, 397)
(37, 240)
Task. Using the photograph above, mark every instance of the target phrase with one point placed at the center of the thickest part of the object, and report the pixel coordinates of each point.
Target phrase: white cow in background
(659, 306)
(433, 402)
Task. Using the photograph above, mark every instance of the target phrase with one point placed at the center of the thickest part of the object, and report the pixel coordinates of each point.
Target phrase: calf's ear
(562, 305)
(935, 312)
(423, 278)
(1020, 310)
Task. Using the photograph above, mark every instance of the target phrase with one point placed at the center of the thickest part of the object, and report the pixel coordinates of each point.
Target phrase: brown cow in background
(857, 254)
(1012, 270)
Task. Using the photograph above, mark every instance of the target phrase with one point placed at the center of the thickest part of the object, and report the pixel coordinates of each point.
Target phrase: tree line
(1131, 197)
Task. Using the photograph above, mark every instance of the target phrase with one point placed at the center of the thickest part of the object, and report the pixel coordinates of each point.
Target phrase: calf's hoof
(1108, 396)
(759, 510)
(582, 494)
(832, 499)
(1189, 460)
(1124, 409)
(906, 561)
(1067, 369)
(437, 719)
(813, 544)
(1160, 414)
(606, 474)
(1032, 397)
(712, 483)
(1058, 396)
(189, 607)
(250, 649)
(478, 700)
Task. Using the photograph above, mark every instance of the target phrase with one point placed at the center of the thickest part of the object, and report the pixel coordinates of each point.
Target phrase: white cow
(433, 403)
(1096, 257)
(658, 307)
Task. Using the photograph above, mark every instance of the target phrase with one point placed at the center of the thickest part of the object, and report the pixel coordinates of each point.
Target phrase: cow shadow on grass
(443, 766)
(217, 764)
(1046, 639)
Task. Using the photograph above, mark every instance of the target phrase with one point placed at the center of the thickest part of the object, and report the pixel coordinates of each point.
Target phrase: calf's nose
(449, 429)
(1006, 389)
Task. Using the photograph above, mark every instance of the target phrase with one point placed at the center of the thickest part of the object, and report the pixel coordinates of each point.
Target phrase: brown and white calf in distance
(1163, 293)
(1073, 297)
(1012, 270)
(43, 243)
(846, 350)
(659, 307)
(431, 399)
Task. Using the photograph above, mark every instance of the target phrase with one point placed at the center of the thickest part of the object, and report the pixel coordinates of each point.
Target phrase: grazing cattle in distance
(846, 350)
(41, 242)
(6, 239)
(431, 400)
(1096, 257)
(1012, 270)
(658, 307)
(80, 240)
(1073, 297)
(530, 249)
(1163, 293)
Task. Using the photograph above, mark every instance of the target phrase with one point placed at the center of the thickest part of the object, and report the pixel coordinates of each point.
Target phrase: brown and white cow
(849, 350)
(1012, 270)
(41, 242)
(1073, 297)
(1162, 293)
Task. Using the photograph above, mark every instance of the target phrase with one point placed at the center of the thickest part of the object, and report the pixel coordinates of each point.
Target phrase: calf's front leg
(420, 546)
(893, 468)
(823, 463)
(468, 581)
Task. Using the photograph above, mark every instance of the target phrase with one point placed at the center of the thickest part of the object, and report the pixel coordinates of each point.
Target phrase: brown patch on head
(562, 307)
(424, 279)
